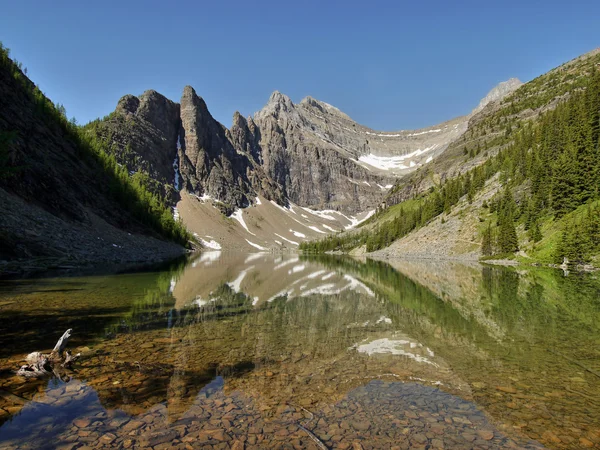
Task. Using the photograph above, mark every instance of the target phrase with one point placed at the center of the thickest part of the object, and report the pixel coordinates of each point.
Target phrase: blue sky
(389, 65)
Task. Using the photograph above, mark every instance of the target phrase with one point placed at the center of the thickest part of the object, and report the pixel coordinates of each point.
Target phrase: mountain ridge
(307, 154)
(520, 183)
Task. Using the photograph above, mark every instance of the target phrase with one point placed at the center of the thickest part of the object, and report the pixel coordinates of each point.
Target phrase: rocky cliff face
(220, 163)
(209, 164)
(313, 170)
(382, 154)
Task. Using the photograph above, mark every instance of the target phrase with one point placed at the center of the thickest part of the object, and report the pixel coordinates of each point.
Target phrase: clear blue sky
(389, 65)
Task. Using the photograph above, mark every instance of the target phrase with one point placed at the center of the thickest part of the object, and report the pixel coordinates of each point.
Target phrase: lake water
(248, 351)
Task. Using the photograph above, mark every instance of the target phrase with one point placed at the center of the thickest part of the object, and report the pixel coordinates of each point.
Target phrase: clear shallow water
(261, 351)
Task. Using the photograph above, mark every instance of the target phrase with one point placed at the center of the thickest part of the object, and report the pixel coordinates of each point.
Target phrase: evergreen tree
(535, 234)
(564, 183)
(487, 242)
(561, 248)
(507, 236)
(507, 241)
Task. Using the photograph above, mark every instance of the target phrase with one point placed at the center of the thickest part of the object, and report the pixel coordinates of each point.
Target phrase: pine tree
(564, 183)
(507, 236)
(486, 242)
(535, 234)
(561, 246)
(507, 233)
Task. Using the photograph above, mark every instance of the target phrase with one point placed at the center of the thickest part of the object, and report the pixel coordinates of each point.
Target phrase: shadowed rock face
(221, 163)
(143, 134)
(209, 163)
(152, 131)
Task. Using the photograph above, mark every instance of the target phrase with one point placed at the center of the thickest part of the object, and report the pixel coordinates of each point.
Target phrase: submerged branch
(311, 435)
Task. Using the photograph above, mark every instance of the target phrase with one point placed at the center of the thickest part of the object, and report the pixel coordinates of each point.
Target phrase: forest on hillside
(129, 190)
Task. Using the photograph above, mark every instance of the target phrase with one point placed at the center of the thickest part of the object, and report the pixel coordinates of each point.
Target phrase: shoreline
(384, 256)
(48, 267)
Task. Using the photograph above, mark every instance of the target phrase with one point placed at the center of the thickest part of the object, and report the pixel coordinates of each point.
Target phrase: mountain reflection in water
(283, 351)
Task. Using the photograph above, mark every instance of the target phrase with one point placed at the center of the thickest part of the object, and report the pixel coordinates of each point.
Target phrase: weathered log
(34, 358)
(41, 365)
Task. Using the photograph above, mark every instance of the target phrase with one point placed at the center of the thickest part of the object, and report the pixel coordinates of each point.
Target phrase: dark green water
(262, 351)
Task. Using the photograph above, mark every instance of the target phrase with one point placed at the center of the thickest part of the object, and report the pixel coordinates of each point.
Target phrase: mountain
(308, 153)
(290, 173)
(63, 201)
(304, 155)
(520, 183)
(520, 172)
(325, 160)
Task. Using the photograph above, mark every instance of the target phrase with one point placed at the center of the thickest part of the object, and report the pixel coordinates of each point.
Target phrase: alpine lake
(258, 351)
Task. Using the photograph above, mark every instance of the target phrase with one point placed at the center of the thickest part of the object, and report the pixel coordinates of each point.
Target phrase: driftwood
(45, 365)
(62, 342)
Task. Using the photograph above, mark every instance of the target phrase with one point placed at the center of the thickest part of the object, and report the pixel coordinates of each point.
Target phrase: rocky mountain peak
(242, 136)
(239, 120)
(143, 132)
(213, 160)
(499, 92)
(251, 125)
(278, 103)
(128, 104)
(189, 99)
(279, 98)
(150, 95)
(310, 153)
(189, 91)
(159, 111)
(325, 108)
